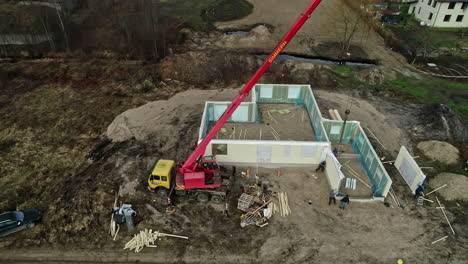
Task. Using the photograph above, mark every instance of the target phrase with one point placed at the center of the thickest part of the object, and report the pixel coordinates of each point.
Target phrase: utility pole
(344, 124)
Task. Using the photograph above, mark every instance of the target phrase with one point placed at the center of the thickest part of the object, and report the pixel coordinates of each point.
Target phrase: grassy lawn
(435, 91)
(426, 90)
(200, 13)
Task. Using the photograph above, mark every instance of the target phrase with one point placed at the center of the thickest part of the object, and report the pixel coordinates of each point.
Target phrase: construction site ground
(57, 155)
(363, 184)
(312, 233)
(290, 121)
(76, 196)
(347, 157)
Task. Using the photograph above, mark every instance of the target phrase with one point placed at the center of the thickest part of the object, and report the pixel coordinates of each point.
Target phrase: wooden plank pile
(258, 204)
(255, 217)
(283, 207)
(147, 238)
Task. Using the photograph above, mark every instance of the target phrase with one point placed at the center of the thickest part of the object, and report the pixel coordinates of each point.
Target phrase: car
(14, 221)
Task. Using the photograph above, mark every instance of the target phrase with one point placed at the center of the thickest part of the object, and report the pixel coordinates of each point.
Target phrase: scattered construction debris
(245, 201)
(355, 174)
(446, 218)
(439, 240)
(147, 238)
(350, 183)
(376, 138)
(259, 204)
(335, 115)
(113, 228)
(445, 185)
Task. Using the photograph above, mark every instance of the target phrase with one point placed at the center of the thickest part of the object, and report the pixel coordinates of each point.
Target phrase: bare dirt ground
(291, 125)
(75, 172)
(317, 233)
(55, 156)
(387, 126)
(324, 26)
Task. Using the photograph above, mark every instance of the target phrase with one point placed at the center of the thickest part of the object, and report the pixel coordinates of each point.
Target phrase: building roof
(391, 11)
(456, 1)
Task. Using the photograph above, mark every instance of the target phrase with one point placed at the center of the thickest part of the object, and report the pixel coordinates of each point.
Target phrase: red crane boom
(190, 164)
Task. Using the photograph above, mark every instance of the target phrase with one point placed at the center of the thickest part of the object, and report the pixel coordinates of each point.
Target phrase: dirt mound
(440, 151)
(457, 185)
(376, 75)
(167, 123)
(441, 123)
(258, 38)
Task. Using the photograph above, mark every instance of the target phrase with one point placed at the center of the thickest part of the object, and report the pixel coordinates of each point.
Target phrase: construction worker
(344, 202)
(419, 191)
(335, 152)
(332, 197)
(321, 166)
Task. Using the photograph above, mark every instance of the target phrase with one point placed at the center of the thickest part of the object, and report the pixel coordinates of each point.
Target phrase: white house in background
(441, 13)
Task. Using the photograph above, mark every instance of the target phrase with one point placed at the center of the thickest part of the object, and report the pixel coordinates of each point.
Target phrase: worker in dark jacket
(321, 166)
(335, 152)
(344, 202)
(419, 191)
(331, 197)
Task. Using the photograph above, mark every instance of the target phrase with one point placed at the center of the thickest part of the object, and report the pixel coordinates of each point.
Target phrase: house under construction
(282, 126)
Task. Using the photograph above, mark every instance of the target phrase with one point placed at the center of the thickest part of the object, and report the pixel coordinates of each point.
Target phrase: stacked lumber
(147, 238)
(283, 207)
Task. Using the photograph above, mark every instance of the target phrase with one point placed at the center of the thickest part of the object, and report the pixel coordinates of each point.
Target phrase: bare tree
(64, 31)
(350, 21)
(44, 18)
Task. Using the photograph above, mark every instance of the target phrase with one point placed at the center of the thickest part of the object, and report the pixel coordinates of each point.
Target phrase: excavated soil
(457, 185)
(440, 151)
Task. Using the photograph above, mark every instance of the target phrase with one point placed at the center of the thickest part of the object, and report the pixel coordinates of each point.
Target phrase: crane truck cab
(204, 182)
(161, 175)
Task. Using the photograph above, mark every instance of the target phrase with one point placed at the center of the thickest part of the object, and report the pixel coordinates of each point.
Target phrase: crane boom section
(190, 163)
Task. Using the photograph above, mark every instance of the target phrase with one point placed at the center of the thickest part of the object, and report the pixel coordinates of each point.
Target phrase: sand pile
(457, 185)
(167, 123)
(440, 151)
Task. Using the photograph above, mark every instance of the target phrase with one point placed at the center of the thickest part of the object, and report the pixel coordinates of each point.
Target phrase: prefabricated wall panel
(334, 129)
(409, 169)
(269, 153)
(246, 113)
(332, 173)
(372, 164)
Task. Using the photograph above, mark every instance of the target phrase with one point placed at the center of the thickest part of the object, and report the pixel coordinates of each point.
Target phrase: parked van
(14, 221)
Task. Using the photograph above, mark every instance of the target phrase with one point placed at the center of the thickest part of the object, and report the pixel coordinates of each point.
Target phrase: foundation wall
(370, 161)
(246, 113)
(293, 94)
(267, 153)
